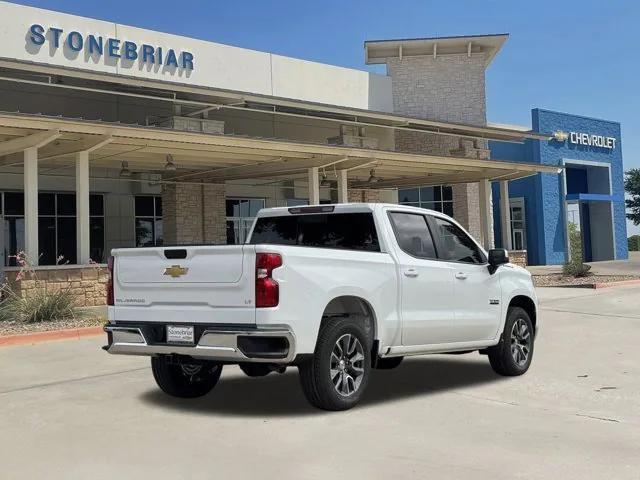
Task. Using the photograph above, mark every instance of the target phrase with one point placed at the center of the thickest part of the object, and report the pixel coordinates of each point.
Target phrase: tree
(632, 187)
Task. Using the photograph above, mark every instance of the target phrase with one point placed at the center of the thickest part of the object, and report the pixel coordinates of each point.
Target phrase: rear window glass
(353, 231)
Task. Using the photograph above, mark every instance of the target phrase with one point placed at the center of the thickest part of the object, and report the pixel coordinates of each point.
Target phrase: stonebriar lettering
(111, 47)
(592, 140)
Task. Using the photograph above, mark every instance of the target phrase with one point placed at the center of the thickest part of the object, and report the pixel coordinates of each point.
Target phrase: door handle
(411, 272)
(461, 276)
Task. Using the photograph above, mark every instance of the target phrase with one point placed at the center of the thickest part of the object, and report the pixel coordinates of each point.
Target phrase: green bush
(634, 243)
(38, 306)
(575, 267)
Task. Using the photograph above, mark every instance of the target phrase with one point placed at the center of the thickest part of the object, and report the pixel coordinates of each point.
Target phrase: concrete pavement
(70, 410)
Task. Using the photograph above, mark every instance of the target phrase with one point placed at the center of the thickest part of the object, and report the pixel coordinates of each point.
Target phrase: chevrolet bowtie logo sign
(175, 271)
(560, 136)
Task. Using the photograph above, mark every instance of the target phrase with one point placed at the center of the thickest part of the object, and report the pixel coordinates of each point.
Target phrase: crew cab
(335, 290)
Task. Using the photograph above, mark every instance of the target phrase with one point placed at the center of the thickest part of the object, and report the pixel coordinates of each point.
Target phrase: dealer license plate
(179, 334)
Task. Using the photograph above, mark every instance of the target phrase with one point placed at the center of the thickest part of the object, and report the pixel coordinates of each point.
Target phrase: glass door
(240, 215)
(518, 224)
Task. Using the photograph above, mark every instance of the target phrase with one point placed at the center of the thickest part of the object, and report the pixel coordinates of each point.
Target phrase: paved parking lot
(69, 410)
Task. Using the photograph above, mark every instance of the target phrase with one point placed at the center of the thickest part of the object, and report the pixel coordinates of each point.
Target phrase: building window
(518, 224)
(439, 198)
(240, 215)
(56, 227)
(148, 220)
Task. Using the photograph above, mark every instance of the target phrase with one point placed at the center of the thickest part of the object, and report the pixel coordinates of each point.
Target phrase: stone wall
(518, 257)
(194, 213)
(87, 283)
(215, 214)
(448, 88)
(363, 196)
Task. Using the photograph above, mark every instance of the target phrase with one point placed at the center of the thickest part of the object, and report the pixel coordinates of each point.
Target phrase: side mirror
(497, 257)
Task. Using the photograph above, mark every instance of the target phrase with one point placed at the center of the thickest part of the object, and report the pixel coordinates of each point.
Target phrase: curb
(621, 283)
(50, 335)
(599, 286)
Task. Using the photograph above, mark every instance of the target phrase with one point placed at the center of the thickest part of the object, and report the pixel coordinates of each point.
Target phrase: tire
(255, 369)
(513, 355)
(388, 363)
(185, 380)
(340, 387)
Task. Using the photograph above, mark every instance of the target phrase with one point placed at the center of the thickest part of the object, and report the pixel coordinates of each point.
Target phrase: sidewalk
(613, 267)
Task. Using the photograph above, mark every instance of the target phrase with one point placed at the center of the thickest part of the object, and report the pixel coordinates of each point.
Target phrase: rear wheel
(338, 373)
(513, 355)
(184, 379)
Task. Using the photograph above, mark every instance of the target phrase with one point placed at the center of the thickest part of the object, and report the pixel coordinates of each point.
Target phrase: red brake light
(110, 267)
(267, 290)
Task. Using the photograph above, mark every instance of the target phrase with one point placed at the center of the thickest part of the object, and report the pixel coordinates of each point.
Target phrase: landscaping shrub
(634, 243)
(39, 304)
(575, 267)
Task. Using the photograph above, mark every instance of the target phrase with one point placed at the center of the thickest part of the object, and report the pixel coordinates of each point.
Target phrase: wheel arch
(528, 305)
(352, 306)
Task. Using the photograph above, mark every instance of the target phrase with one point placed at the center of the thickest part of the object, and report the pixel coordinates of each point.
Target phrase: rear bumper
(272, 345)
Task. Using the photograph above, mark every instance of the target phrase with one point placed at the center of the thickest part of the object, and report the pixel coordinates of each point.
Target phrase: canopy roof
(218, 158)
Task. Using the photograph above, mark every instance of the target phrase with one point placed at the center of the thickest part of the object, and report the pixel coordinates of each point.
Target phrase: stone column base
(194, 213)
(363, 196)
(466, 207)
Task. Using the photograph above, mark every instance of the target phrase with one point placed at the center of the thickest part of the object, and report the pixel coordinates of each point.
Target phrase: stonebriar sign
(113, 48)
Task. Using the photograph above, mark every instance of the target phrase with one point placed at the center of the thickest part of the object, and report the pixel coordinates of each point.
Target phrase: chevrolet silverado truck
(335, 290)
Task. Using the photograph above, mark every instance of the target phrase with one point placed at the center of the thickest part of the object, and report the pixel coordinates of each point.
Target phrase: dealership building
(115, 136)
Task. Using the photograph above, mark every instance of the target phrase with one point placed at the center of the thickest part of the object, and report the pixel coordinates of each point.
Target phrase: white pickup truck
(335, 290)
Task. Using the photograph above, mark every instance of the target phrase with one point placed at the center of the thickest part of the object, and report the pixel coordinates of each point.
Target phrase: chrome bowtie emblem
(175, 271)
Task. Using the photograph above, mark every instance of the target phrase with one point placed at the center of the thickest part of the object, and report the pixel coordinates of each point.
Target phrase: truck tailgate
(200, 284)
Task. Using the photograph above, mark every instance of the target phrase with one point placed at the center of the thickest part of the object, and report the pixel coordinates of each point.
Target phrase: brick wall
(194, 213)
(448, 88)
(87, 283)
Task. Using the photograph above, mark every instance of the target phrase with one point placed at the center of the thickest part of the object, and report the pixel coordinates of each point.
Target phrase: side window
(456, 245)
(413, 234)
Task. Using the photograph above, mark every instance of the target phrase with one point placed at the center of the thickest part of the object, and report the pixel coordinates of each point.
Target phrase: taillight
(267, 291)
(110, 267)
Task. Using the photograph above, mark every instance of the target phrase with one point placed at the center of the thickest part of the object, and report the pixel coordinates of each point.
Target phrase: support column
(343, 191)
(82, 208)
(31, 205)
(314, 186)
(486, 217)
(505, 215)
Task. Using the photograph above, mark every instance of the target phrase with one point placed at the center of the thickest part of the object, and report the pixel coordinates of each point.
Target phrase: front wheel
(338, 373)
(185, 380)
(512, 356)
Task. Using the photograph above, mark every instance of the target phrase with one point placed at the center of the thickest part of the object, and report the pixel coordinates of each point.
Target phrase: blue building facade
(589, 192)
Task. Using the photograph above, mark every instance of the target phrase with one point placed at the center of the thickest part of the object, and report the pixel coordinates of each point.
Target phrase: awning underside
(218, 158)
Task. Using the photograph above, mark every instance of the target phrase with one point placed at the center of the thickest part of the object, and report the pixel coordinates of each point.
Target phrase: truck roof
(336, 207)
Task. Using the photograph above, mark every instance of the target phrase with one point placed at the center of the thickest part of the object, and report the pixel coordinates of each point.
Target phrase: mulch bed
(558, 280)
(15, 328)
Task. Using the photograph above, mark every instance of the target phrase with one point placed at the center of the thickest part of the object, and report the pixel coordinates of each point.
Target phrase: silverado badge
(175, 271)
